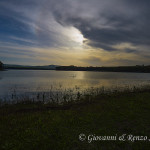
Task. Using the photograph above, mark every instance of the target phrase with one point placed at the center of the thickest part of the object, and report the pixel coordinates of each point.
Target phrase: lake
(33, 81)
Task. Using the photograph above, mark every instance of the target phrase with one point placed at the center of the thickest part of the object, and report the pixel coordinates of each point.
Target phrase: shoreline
(91, 97)
(7, 69)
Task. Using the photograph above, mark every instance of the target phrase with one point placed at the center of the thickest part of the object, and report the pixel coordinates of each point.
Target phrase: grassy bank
(42, 128)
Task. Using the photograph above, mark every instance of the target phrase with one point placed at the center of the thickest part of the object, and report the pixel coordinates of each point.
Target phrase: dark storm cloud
(129, 24)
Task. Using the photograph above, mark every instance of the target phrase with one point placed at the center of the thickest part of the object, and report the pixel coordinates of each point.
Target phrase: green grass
(35, 127)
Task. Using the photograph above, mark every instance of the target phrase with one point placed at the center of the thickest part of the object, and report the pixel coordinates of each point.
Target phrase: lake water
(30, 81)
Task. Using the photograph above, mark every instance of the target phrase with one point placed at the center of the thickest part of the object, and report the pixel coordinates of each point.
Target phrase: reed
(60, 96)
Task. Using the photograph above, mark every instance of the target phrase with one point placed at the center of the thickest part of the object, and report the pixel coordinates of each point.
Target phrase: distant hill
(48, 67)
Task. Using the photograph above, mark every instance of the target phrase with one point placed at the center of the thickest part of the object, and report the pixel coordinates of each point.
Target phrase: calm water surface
(23, 81)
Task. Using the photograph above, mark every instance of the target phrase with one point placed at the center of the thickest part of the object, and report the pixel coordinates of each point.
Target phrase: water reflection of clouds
(80, 75)
(31, 81)
(115, 75)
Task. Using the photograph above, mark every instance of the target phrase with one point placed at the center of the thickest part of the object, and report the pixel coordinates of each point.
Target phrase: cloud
(113, 26)
(107, 23)
(95, 61)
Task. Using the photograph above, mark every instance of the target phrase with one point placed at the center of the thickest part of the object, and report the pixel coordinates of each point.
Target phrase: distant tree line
(1, 65)
(137, 68)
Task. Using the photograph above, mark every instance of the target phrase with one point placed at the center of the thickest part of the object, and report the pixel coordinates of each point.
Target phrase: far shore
(132, 69)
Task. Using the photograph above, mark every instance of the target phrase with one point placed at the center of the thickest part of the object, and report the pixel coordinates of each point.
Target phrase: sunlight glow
(76, 36)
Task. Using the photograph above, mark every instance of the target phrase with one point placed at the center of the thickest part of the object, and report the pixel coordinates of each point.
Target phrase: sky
(75, 32)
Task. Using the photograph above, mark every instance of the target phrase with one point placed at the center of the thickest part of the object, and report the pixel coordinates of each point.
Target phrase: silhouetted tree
(1, 65)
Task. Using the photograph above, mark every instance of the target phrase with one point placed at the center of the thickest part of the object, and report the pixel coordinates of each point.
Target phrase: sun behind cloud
(75, 35)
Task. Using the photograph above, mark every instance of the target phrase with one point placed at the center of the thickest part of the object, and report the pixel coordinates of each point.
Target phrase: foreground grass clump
(46, 129)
